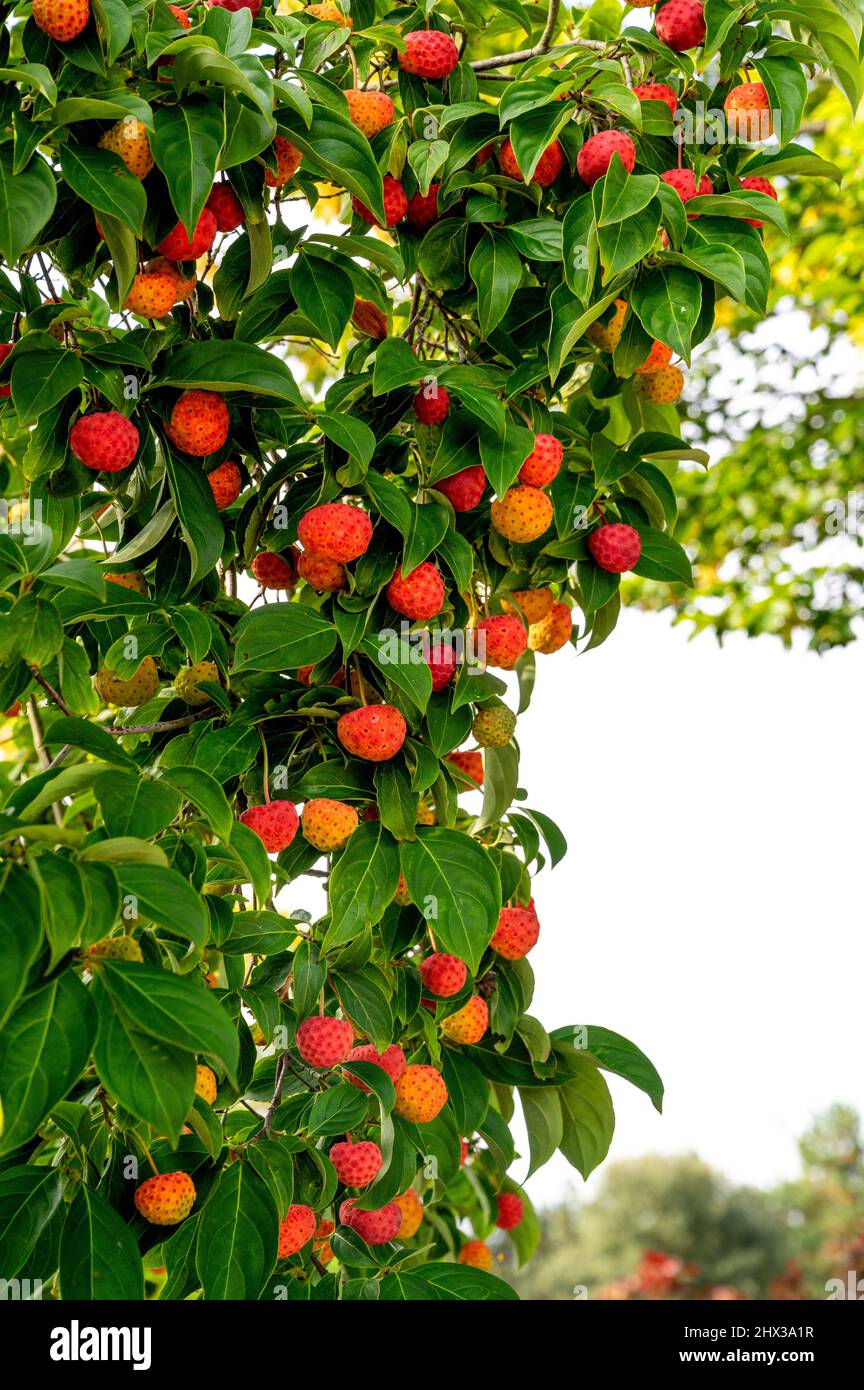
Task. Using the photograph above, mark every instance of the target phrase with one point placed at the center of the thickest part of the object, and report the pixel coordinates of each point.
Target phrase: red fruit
(225, 207)
(595, 156)
(469, 763)
(395, 204)
(181, 17)
(756, 185)
(517, 931)
(429, 53)
(463, 490)
(275, 823)
(544, 461)
(253, 5)
(659, 356)
(274, 571)
(324, 1042)
(199, 423)
(511, 1210)
(288, 161)
(748, 112)
(105, 440)
(391, 1060)
(226, 483)
(178, 246)
(375, 1227)
(503, 639)
(420, 1094)
(423, 208)
(61, 20)
(615, 548)
(373, 732)
(549, 165)
(431, 404)
(298, 1227)
(477, 1255)
(657, 91)
(304, 674)
(684, 183)
(442, 663)
(327, 576)
(165, 1198)
(336, 530)
(369, 319)
(5, 349)
(419, 595)
(153, 293)
(681, 24)
(356, 1164)
(443, 974)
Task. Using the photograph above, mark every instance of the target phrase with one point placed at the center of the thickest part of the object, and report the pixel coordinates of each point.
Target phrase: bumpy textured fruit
(443, 974)
(418, 595)
(328, 824)
(615, 547)
(469, 1023)
(205, 1084)
(534, 603)
(275, 823)
(137, 690)
(494, 725)
(225, 207)
(553, 631)
(336, 530)
(199, 423)
(549, 165)
(321, 1243)
(371, 112)
(607, 335)
(680, 24)
(544, 461)
(274, 571)
(659, 356)
(501, 639)
(288, 161)
(748, 112)
(5, 349)
(511, 1210)
(152, 294)
(420, 1094)
(295, 1230)
(429, 53)
(132, 579)
(412, 1214)
(391, 1060)
(684, 183)
(758, 185)
(373, 732)
(183, 284)
(657, 91)
(423, 208)
(188, 681)
(426, 814)
(463, 490)
(327, 576)
(660, 387)
(181, 17)
(516, 933)
(431, 405)
(442, 664)
(469, 762)
(476, 1254)
(117, 948)
(304, 675)
(395, 204)
(402, 896)
(356, 1164)
(375, 1227)
(327, 10)
(324, 1042)
(595, 156)
(523, 514)
(226, 483)
(128, 139)
(179, 246)
(367, 318)
(104, 441)
(166, 1198)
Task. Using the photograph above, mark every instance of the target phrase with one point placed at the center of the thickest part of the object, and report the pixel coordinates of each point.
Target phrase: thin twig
(49, 690)
(164, 726)
(39, 744)
(541, 47)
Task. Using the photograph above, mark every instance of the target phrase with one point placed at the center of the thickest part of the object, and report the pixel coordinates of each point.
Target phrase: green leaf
(101, 178)
(29, 1197)
(624, 195)
(20, 935)
(401, 663)
(132, 805)
(151, 1079)
(99, 1257)
(27, 201)
(238, 1235)
(166, 898)
(173, 1008)
(396, 364)
(324, 295)
(337, 1109)
(662, 558)
(588, 1117)
(186, 141)
(541, 1106)
(43, 1050)
(455, 885)
(362, 884)
(282, 636)
(496, 269)
(334, 147)
(786, 84)
(40, 379)
(196, 511)
(616, 1054)
(447, 1282)
(667, 302)
(205, 793)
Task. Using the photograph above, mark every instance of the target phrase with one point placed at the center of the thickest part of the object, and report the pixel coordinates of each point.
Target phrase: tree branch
(49, 690)
(541, 47)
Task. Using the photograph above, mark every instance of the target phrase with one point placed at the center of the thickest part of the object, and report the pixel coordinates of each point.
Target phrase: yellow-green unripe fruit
(189, 678)
(136, 691)
(117, 948)
(493, 726)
